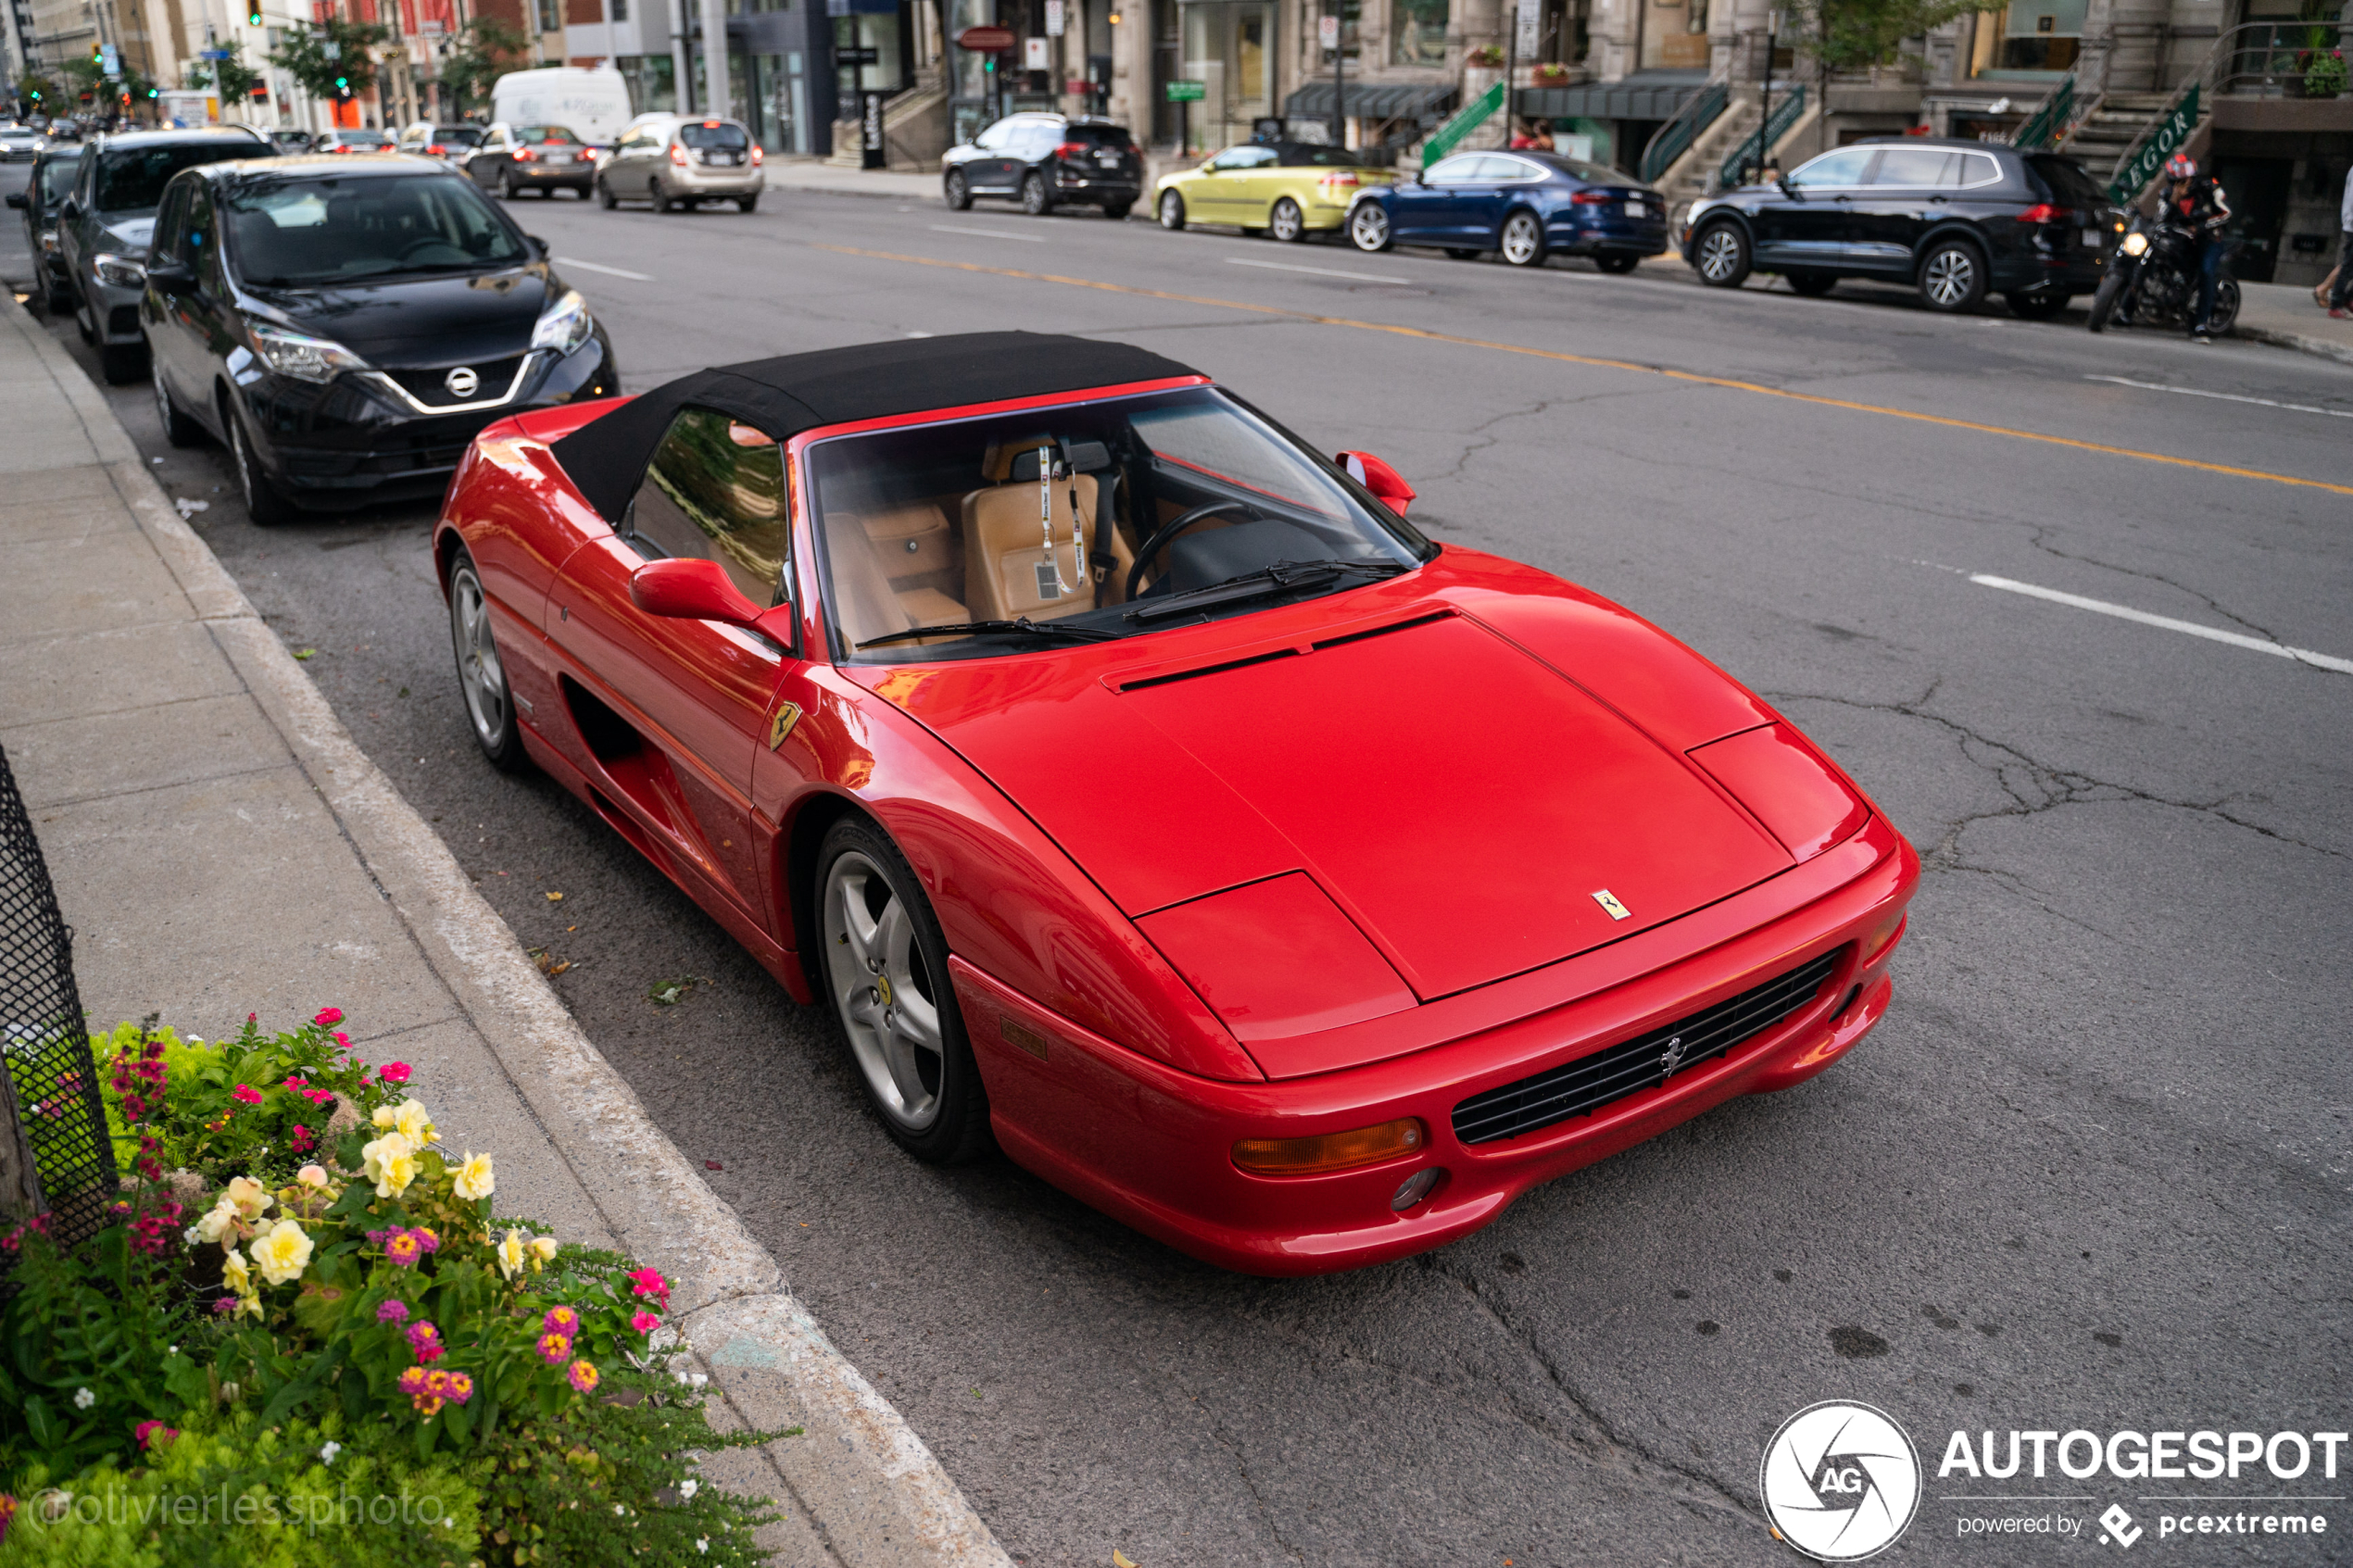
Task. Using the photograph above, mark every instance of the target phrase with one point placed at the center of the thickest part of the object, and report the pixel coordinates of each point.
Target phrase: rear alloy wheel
(508, 189)
(1368, 227)
(1172, 211)
(265, 503)
(1035, 199)
(605, 198)
(1616, 261)
(956, 191)
(178, 428)
(1722, 256)
(661, 196)
(1952, 277)
(1522, 242)
(1286, 222)
(482, 674)
(886, 979)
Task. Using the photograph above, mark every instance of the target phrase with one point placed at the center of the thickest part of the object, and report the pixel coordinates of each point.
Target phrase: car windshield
(714, 137)
(131, 179)
(544, 133)
(459, 136)
(336, 229)
(58, 176)
(948, 525)
(363, 139)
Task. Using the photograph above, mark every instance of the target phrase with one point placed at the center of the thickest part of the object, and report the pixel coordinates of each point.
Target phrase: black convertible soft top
(606, 458)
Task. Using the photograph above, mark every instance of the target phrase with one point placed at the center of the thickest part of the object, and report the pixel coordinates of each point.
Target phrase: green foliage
(232, 80)
(35, 87)
(487, 49)
(331, 59)
(2326, 77)
(240, 1495)
(1857, 34)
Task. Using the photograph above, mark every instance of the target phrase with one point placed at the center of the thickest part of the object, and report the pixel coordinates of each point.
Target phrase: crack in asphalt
(2036, 539)
(2045, 788)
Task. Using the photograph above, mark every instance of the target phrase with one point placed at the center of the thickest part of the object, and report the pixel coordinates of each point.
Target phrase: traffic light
(253, 14)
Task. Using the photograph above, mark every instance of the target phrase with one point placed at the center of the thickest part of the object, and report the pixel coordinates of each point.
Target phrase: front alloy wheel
(1368, 227)
(1723, 256)
(1035, 199)
(481, 675)
(1172, 211)
(1286, 223)
(956, 191)
(1523, 243)
(886, 976)
(1952, 279)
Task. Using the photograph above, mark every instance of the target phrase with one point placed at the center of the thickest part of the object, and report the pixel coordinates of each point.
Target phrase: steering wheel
(1168, 530)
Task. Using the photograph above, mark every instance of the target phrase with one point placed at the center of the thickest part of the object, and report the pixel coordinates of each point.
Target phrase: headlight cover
(121, 272)
(565, 324)
(300, 355)
(1785, 784)
(2133, 244)
(1277, 959)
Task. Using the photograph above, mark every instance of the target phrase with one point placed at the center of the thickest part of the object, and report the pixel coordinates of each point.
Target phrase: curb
(2303, 344)
(876, 1493)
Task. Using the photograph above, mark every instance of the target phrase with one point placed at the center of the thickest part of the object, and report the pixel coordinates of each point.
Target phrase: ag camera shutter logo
(1840, 1481)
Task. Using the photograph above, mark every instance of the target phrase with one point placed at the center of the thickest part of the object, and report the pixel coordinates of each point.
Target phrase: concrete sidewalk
(2283, 313)
(221, 846)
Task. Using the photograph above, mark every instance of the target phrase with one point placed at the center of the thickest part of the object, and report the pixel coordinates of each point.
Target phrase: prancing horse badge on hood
(1608, 902)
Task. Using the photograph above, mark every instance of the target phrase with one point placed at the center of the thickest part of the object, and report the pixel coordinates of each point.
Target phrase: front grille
(1580, 1087)
(122, 321)
(432, 389)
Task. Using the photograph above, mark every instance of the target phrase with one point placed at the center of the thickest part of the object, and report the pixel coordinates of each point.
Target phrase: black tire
(746, 204)
(481, 672)
(956, 191)
(605, 198)
(947, 1122)
(178, 428)
(1368, 228)
(1462, 253)
(508, 189)
(265, 503)
(2104, 300)
(2226, 307)
(660, 197)
(1037, 197)
(2037, 307)
(1286, 222)
(1618, 262)
(59, 299)
(1952, 277)
(82, 317)
(1721, 257)
(1117, 211)
(1812, 285)
(1521, 240)
(122, 363)
(1172, 211)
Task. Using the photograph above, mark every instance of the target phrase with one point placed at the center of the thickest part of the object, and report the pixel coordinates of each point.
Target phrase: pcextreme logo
(1840, 1481)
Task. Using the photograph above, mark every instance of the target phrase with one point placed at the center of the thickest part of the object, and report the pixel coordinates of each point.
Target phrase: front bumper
(1152, 1145)
(114, 311)
(356, 441)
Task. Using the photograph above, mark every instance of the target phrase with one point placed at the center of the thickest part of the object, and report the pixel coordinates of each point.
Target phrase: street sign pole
(1184, 95)
(1339, 82)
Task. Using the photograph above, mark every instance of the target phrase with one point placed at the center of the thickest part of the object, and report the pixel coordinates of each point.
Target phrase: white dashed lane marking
(987, 233)
(2227, 397)
(2165, 622)
(1319, 272)
(608, 271)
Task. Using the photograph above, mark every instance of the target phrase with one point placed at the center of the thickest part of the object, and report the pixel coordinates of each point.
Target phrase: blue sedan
(1527, 205)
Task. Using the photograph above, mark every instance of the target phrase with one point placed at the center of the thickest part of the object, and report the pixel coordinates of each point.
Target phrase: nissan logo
(462, 382)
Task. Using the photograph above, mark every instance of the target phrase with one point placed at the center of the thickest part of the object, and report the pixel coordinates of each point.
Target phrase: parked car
(289, 140)
(511, 160)
(453, 144)
(341, 139)
(21, 144)
(999, 692)
(1286, 189)
(1528, 205)
(1953, 219)
(1045, 161)
(346, 325)
(103, 228)
(47, 186)
(677, 163)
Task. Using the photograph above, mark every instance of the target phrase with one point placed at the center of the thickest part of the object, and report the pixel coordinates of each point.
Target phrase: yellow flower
(383, 1118)
(247, 1307)
(216, 1221)
(235, 1276)
(391, 1162)
(410, 1119)
(474, 1179)
(250, 1197)
(283, 1252)
(542, 1250)
(510, 1254)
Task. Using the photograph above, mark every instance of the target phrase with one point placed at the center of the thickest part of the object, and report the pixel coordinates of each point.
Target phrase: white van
(592, 105)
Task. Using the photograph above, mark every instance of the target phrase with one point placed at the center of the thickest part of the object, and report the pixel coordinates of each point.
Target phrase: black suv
(1953, 219)
(1046, 161)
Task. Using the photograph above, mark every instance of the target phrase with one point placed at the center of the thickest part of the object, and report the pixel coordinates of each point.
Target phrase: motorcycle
(2153, 280)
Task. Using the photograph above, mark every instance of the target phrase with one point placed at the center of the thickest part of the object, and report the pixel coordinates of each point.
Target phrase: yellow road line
(1690, 376)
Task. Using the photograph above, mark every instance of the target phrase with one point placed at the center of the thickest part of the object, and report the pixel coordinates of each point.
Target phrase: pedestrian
(2196, 202)
(2342, 293)
(1533, 136)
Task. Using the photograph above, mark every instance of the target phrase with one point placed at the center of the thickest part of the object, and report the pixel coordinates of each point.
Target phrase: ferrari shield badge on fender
(780, 724)
(1608, 902)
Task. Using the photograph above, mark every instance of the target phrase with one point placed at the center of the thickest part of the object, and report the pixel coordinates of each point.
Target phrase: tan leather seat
(916, 539)
(1006, 570)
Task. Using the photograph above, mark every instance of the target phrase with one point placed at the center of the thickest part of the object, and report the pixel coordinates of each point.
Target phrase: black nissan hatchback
(1953, 219)
(346, 326)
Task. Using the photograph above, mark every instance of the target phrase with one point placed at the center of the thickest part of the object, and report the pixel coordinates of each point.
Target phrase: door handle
(1938, 201)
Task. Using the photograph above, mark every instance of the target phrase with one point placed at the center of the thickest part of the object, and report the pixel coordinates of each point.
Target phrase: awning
(1637, 97)
(1373, 101)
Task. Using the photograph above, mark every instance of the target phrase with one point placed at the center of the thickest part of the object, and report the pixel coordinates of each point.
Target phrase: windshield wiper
(1274, 578)
(1023, 627)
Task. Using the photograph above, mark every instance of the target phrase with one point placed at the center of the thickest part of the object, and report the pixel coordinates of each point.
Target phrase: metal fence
(44, 1037)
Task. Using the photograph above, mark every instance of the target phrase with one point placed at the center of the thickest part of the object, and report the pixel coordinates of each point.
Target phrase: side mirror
(1389, 487)
(688, 589)
(538, 244)
(1787, 188)
(69, 209)
(171, 276)
(16, 199)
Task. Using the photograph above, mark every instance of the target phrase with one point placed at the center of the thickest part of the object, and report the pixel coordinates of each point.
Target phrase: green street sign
(2171, 132)
(1187, 92)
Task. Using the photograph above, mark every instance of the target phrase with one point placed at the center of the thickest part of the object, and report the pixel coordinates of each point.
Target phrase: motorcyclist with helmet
(2195, 202)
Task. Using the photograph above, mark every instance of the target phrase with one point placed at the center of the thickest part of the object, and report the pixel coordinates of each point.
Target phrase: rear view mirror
(688, 589)
(1387, 486)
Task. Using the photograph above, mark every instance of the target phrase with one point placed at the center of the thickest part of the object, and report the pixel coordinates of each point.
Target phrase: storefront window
(1418, 32)
(2042, 34)
(652, 80)
(881, 35)
(1675, 36)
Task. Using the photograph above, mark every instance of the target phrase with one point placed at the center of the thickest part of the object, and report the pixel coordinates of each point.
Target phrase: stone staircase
(2102, 137)
(1699, 171)
(914, 130)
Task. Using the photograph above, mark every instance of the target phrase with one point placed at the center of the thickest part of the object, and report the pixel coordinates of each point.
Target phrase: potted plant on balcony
(1551, 73)
(2324, 77)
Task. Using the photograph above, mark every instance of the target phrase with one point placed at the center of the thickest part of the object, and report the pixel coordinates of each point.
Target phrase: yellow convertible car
(1289, 189)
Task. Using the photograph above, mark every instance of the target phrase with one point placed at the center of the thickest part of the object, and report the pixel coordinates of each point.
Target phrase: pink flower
(328, 1017)
(393, 1312)
(393, 1072)
(554, 1349)
(645, 1322)
(150, 1433)
(302, 1140)
(461, 1387)
(582, 1376)
(246, 1093)
(402, 1249)
(223, 1307)
(425, 1341)
(426, 1240)
(648, 1281)
(342, 1039)
(562, 1319)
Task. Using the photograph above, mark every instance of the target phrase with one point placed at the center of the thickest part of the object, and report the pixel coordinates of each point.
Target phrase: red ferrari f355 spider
(1139, 789)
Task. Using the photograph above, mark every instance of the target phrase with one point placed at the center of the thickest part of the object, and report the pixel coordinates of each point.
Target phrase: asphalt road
(2089, 1173)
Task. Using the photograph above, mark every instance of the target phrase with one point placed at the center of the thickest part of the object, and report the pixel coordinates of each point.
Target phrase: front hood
(128, 235)
(421, 322)
(1462, 802)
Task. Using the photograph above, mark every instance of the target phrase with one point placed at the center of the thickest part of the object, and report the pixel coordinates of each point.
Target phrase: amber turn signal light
(1883, 936)
(1332, 1151)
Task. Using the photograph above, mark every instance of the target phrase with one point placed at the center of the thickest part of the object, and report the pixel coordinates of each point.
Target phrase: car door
(183, 222)
(1809, 225)
(1910, 189)
(491, 160)
(1425, 211)
(690, 700)
(1251, 183)
(991, 166)
(638, 157)
(1502, 182)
